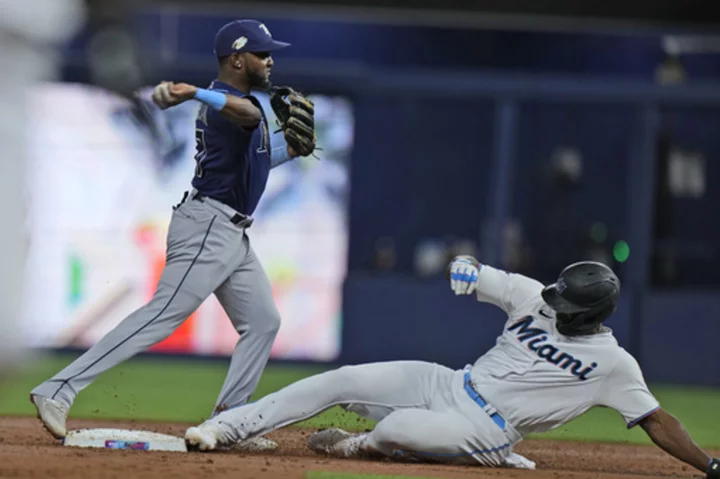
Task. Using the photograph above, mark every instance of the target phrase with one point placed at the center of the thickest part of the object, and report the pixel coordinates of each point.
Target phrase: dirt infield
(27, 451)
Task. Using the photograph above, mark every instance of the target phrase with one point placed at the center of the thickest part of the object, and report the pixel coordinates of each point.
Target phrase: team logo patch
(239, 43)
(265, 29)
(561, 286)
(535, 340)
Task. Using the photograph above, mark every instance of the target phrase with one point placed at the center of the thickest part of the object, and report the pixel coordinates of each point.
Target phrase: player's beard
(258, 81)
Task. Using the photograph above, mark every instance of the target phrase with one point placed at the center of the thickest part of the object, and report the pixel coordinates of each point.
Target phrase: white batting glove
(463, 276)
(161, 95)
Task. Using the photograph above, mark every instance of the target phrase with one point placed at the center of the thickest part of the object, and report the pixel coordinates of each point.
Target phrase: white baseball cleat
(519, 462)
(336, 442)
(52, 414)
(256, 444)
(203, 437)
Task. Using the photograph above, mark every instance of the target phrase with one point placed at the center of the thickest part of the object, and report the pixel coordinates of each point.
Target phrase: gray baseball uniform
(532, 380)
(208, 251)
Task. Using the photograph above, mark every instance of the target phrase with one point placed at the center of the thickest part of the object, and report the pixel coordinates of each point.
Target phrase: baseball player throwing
(208, 248)
(553, 362)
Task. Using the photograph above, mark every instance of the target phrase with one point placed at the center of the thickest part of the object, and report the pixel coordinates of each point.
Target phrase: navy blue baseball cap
(245, 36)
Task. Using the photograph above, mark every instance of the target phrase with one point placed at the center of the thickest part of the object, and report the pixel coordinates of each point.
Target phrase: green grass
(696, 408)
(184, 390)
(157, 389)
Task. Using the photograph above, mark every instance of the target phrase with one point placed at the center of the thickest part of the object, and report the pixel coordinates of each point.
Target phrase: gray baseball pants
(424, 411)
(206, 253)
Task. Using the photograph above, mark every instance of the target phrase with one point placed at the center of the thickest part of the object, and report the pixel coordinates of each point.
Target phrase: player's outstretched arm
(670, 435)
(238, 110)
(508, 291)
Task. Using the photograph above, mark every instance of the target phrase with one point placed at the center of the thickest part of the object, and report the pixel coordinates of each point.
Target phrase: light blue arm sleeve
(279, 156)
(214, 99)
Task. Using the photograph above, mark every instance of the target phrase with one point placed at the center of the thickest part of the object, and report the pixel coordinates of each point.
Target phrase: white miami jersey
(539, 379)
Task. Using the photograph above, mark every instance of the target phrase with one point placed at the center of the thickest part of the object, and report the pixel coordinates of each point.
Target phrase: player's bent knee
(268, 323)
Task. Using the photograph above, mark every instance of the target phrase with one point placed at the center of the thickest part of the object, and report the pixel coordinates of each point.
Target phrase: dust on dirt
(26, 450)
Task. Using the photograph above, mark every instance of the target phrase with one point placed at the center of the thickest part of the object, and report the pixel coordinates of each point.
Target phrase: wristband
(213, 99)
(279, 156)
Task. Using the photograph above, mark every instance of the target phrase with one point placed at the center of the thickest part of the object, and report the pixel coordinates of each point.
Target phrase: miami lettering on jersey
(535, 340)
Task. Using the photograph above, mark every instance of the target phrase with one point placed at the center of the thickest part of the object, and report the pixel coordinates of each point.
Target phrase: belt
(234, 217)
(475, 396)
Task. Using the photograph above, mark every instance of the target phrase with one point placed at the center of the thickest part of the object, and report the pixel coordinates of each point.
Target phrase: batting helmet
(584, 296)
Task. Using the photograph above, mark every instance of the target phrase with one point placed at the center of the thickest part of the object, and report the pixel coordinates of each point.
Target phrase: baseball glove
(296, 117)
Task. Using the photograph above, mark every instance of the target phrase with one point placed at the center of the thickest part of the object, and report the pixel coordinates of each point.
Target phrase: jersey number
(200, 151)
